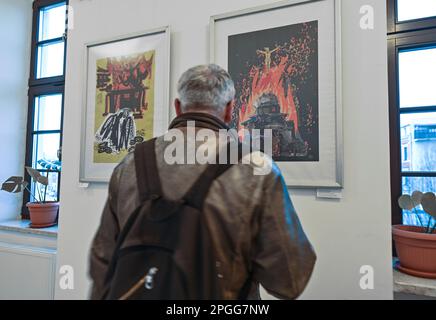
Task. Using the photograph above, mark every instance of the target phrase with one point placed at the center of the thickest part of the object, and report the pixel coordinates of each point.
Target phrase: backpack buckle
(149, 278)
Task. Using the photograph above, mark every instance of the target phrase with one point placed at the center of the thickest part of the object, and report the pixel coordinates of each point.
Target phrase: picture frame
(126, 98)
(243, 42)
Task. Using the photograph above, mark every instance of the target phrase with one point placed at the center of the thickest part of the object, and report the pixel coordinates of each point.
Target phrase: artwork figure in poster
(267, 54)
(124, 105)
(276, 79)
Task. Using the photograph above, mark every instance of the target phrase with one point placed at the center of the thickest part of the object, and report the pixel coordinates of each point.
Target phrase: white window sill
(405, 283)
(22, 226)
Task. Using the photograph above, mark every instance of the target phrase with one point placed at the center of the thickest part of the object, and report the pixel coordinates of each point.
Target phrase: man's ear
(178, 107)
(228, 111)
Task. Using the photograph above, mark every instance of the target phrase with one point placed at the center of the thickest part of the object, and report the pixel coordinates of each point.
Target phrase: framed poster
(285, 60)
(126, 100)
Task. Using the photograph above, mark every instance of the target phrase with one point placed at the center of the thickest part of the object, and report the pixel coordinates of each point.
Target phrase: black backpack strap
(198, 192)
(149, 188)
(146, 170)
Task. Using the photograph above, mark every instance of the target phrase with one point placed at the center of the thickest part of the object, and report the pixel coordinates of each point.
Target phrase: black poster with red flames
(276, 79)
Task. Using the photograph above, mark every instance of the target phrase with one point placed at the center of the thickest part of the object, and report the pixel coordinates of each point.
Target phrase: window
(413, 9)
(411, 15)
(46, 92)
(412, 100)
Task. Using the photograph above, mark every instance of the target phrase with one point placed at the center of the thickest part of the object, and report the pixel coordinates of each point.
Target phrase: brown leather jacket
(253, 223)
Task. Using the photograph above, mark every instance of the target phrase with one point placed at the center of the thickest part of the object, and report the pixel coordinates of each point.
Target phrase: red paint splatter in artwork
(270, 81)
(288, 61)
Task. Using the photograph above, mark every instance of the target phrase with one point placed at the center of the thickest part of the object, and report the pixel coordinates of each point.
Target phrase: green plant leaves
(14, 184)
(428, 203)
(416, 197)
(54, 165)
(405, 202)
(36, 175)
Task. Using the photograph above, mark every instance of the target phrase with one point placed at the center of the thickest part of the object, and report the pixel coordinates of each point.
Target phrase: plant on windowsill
(42, 213)
(416, 245)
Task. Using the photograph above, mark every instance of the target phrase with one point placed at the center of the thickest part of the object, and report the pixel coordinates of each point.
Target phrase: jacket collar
(202, 120)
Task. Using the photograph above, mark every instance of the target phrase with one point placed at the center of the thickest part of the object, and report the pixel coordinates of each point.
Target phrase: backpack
(165, 251)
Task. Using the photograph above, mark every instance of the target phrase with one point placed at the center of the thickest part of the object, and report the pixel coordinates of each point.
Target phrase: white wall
(15, 35)
(346, 234)
(18, 281)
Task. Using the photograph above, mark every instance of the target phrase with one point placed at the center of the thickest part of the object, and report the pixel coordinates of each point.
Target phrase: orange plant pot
(416, 250)
(43, 214)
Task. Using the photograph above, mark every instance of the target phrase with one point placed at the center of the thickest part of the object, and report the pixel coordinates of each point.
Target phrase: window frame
(395, 26)
(41, 87)
(403, 36)
(33, 81)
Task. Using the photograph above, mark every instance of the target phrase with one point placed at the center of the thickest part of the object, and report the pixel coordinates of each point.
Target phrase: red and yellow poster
(124, 105)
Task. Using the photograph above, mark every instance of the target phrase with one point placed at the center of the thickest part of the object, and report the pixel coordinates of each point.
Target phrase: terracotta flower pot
(42, 214)
(416, 250)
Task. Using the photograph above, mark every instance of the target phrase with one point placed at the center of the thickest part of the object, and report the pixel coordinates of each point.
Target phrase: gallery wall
(346, 233)
(15, 34)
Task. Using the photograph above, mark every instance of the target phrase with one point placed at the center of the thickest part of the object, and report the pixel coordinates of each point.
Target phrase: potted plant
(416, 245)
(42, 213)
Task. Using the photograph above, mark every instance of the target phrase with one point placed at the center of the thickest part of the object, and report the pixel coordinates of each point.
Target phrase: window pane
(38, 190)
(50, 60)
(417, 76)
(418, 141)
(52, 189)
(48, 112)
(423, 184)
(52, 22)
(415, 9)
(45, 146)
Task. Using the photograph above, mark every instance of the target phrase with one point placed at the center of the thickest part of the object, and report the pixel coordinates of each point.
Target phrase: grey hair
(205, 87)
